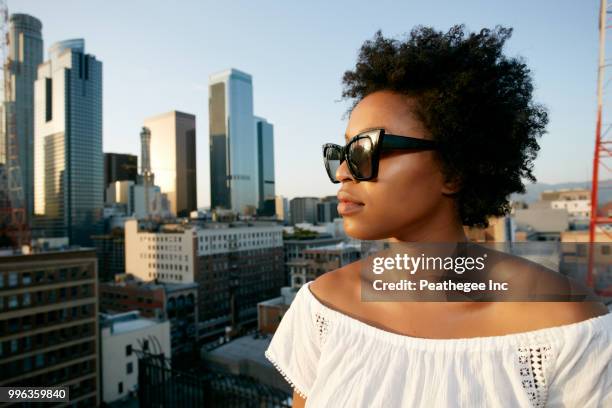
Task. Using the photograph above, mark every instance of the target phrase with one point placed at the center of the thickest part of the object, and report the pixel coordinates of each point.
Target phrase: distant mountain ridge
(533, 190)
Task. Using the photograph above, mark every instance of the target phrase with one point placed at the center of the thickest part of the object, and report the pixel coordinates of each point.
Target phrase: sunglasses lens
(360, 157)
(332, 156)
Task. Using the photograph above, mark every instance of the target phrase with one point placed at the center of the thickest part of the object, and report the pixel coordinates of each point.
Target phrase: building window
(12, 302)
(129, 368)
(40, 276)
(120, 387)
(128, 350)
(25, 300)
(145, 345)
(26, 278)
(48, 100)
(12, 281)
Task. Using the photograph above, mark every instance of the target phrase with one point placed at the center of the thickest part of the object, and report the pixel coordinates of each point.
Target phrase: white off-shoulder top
(335, 360)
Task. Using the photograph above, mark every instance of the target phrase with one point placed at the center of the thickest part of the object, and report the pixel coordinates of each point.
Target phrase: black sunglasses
(362, 152)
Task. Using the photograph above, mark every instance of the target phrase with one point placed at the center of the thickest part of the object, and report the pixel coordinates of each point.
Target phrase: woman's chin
(361, 231)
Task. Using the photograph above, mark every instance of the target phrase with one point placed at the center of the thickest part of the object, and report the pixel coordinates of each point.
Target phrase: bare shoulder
(338, 287)
(541, 314)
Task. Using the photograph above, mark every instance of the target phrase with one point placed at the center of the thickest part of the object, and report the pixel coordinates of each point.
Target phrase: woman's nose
(342, 172)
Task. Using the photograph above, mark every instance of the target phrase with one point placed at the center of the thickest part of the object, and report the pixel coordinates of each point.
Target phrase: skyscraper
(25, 53)
(69, 162)
(120, 167)
(173, 159)
(303, 209)
(265, 167)
(233, 147)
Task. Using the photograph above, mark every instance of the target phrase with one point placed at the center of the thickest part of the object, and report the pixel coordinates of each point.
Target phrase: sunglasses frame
(383, 142)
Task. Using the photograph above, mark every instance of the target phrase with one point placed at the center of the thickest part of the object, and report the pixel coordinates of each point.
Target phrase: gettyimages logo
(413, 264)
(468, 271)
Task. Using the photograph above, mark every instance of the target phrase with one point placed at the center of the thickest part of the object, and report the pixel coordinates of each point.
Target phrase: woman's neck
(443, 227)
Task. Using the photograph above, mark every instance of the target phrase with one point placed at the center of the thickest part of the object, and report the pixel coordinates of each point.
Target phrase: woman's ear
(452, 185)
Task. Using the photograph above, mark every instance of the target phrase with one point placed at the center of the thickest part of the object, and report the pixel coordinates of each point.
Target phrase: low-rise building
(176, 302)
(48, 320)
(547, 223)
(235, 265)
(317, 261)
(122, 337)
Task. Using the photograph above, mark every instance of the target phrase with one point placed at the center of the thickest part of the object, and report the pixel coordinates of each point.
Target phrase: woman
(472, 109)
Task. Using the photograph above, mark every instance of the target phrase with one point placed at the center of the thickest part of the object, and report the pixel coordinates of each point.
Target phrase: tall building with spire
(69, 162)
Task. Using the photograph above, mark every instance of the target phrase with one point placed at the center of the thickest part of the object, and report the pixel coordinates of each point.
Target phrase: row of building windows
(160, 238)
(238, 236)
(173, 248)
(16, 324)
(22, 366)
(168, 267)
(42, 340)
(14, 278)
(164, 256)
(63, 375)
(236, 245)
(157, 275)
(117, 295)
(43, 297)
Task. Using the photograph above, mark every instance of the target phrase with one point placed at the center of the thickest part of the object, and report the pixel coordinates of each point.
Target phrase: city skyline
(297, 86)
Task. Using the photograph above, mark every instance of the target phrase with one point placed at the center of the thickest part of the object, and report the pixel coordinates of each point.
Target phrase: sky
(157, 56)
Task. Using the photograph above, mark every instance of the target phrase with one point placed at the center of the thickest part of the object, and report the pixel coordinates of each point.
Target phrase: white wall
(168, 257)
(115, 361)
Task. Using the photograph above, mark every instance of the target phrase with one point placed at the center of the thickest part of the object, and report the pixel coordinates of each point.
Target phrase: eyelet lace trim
(323, 324)
(285, 376)
(533, 361)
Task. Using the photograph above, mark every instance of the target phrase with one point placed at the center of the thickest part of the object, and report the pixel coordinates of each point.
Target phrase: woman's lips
(349, 207)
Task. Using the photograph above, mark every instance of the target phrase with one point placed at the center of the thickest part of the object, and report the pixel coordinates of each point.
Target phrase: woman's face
(407, 193)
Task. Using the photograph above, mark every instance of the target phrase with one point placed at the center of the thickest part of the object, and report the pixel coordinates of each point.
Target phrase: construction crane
(14, 228)
(600, 224)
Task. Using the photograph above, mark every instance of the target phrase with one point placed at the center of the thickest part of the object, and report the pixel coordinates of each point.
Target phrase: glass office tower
(173, 159)
(233, 147)
(69, 162)
(25, 51)
(265, 166)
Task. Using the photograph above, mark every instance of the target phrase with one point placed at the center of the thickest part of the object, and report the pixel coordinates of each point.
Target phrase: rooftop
(335, 247)
(125, 322)
(127, 280)
(246, 347)
(27, 251)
